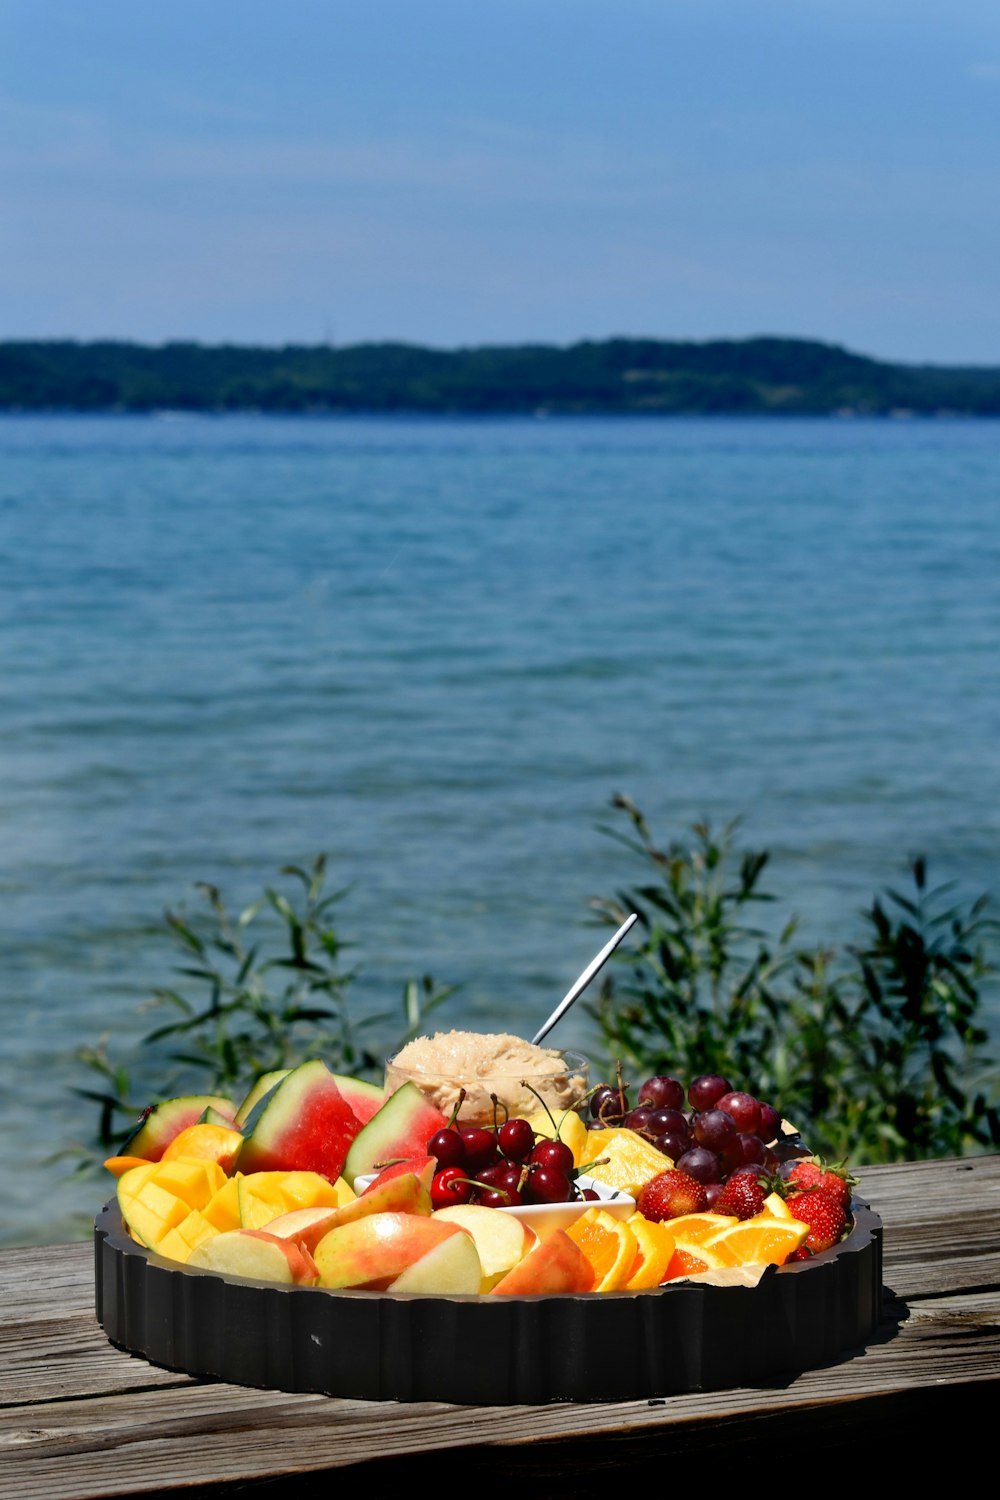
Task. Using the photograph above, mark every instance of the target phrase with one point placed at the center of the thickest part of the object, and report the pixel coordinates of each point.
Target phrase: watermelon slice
(398, 1131)
(157, 1126)
(265, 1083)
(303, 1124)
(364, 1098)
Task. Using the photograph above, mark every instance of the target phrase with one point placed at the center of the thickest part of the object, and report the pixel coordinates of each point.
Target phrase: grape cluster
(503, 1166)
(709, 1129)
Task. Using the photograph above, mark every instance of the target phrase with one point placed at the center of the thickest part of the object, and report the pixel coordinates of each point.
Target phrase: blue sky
(457, 172)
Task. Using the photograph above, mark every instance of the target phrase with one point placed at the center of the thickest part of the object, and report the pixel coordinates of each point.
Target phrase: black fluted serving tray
(486, 1350)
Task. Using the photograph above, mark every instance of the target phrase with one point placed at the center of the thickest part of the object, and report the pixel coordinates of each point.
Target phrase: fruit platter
(328, 1235)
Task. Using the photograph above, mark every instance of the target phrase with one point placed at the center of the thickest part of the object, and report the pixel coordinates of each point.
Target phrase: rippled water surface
(435, 649)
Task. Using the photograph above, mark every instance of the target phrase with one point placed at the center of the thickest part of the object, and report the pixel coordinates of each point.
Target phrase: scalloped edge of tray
(522, 1350)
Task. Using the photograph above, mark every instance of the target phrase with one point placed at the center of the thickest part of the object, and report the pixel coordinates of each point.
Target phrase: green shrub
(270, 991)
(874, 1050)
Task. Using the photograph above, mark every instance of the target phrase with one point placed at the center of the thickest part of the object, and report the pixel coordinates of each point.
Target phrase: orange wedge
(609, 1244)
(691, 1257)
(696, 1228)
(654, 1248)
(764, 1240)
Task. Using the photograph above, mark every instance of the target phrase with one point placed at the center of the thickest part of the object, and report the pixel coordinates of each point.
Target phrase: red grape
(662, 1092)
(704, 1090)
(701, 1164)
(714, 1128)
(608, 1105)
(744, 1109)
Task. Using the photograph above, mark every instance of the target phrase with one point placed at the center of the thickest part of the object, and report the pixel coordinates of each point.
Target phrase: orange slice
(764, 1240)
(696, 1228)
(631, 1159)
(654, 1248)
(609, 1244)
(691, 1257)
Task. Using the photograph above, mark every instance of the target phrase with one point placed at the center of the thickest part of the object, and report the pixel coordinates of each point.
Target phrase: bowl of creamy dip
(463, 1070)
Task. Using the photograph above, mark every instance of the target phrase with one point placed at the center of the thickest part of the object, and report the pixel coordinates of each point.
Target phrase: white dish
(544, 1217)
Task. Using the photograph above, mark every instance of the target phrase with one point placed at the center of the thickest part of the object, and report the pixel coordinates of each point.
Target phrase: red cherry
(448, 1147)
(548, 1185)
(450, 1186)
(516, 1139)
(480, 1147)
(553, 1154)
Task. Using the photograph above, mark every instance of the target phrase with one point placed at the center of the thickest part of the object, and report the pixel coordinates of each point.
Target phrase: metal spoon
(580, 984)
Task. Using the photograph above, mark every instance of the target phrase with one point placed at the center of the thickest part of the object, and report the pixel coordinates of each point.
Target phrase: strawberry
(741, 1195)
(670, 1194)
(813, 1172)
(825, 1215)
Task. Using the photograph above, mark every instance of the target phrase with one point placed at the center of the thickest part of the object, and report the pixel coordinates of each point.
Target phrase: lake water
(435, 649)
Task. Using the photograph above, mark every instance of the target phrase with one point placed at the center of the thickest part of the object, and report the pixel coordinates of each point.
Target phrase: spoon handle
(581, 984)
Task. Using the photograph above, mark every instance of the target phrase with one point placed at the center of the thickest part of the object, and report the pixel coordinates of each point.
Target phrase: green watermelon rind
(158, 1126)
(401, 1128)
(265, 1084)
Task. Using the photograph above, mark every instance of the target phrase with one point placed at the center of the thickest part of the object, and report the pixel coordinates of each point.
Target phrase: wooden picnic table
(81, 1418)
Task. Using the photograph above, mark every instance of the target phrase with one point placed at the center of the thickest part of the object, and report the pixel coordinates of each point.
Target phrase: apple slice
(255, 1254)
(405, 1194)
(500, 1239)
(451, 1269)
(371, 1253)
(555, 1264)
(423, 1167)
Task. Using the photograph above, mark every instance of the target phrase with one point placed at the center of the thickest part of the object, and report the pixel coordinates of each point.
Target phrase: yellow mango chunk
(264, 1195)
(152, 1212)
(180, 1241)
(223, 1208)
(193, 1181)
(204, 1142)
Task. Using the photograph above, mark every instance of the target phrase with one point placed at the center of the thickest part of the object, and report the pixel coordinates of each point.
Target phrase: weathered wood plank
(203, 1434)
(82, 1419)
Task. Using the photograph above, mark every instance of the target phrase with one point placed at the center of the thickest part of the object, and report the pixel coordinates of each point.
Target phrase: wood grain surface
(81, 1419)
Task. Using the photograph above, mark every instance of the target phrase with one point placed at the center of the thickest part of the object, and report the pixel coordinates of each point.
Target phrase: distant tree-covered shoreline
(753, 376)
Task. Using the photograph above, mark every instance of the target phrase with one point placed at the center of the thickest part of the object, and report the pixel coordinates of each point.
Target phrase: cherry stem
(531, 1089)
(458, 1106)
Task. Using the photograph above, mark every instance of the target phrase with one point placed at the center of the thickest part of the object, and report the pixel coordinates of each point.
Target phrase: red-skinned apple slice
(451, 1269)
(405, 1194)
(502, 1240)
(255, 1254)
(423, 1167)
(556, 1264)
(372, 1252)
